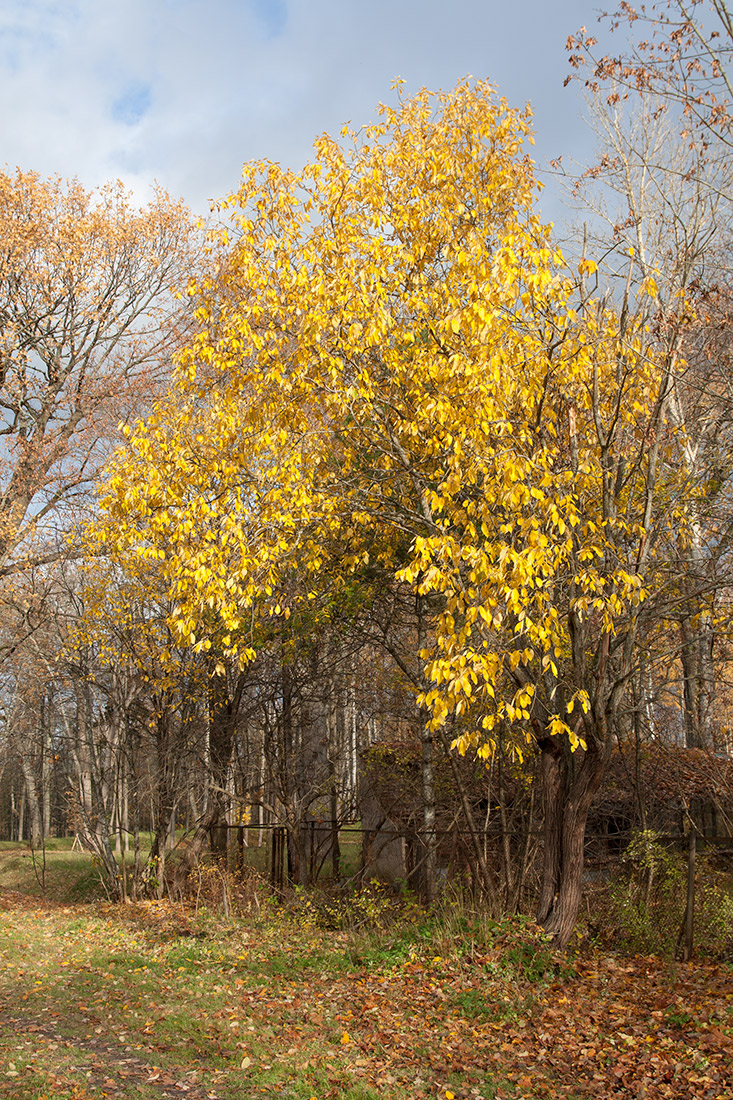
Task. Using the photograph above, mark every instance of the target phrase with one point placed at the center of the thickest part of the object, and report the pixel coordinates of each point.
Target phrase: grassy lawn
(332, 999)
(68, 875)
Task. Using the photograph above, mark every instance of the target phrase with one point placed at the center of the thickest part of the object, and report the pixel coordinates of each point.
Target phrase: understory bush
(641, 909)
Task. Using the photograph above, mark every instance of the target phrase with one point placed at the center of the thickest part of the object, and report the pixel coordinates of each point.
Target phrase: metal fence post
(690, 905)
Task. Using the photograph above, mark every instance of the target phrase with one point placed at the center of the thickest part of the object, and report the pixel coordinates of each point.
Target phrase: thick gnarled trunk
(570, 784)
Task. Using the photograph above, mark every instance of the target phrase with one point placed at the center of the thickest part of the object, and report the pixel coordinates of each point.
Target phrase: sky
(183, 92)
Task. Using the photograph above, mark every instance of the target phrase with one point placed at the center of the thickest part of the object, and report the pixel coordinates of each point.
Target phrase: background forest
(369, 506)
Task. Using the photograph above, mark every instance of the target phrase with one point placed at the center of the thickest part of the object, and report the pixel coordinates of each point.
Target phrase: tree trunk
(506, 840)
(165, 783)
(92, 806)
(223, 712)
(335, 752)
(429, 845)
(45, 767)
(33, 802)
(567, 818)
(21, 814)
(698, 672)
(552, 781)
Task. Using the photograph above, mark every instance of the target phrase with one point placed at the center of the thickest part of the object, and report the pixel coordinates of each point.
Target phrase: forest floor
(154, 1000)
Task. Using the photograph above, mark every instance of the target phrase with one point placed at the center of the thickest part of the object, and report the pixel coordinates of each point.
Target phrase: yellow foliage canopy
(390, 368)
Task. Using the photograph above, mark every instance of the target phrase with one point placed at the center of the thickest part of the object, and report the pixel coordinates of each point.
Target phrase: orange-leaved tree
(88, 321)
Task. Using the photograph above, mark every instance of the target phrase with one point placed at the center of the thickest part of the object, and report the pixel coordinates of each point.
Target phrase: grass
(70, 876)
(337, 999)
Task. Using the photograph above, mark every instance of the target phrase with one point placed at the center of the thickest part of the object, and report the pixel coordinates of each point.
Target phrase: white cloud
(184, 91)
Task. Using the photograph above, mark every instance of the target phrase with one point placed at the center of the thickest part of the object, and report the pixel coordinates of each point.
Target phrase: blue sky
(183, 92)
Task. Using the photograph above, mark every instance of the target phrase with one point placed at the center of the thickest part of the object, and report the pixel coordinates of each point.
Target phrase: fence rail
(657, 893)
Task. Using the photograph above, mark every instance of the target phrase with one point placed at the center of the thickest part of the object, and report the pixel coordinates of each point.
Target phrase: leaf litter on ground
(149, 1001)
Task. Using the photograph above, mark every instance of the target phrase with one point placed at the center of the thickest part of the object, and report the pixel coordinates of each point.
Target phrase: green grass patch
(278, 1004)
(61, 875)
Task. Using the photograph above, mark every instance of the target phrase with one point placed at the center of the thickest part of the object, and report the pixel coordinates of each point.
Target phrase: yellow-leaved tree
(394, 363)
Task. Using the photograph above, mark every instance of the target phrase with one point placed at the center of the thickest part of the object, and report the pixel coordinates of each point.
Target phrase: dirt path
(109, 1069)
(90, 1063)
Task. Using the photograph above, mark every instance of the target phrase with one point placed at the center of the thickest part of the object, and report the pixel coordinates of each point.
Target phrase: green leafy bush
(641, 910)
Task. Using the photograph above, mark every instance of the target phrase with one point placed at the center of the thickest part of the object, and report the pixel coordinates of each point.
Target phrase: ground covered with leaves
(154, 1000)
